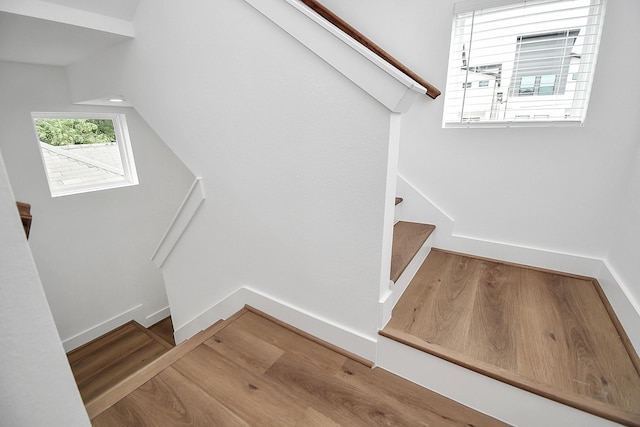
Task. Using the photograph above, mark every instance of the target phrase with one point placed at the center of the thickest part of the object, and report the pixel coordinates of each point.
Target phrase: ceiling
(122, 9)
(62, 32)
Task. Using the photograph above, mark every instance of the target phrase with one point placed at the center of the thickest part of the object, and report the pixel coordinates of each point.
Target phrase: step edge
(122, 389)
(156, 337)
(503, 375)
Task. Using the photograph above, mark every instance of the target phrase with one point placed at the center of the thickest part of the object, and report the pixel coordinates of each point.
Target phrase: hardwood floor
(547, 333)
(102, 363)
(164, 330)
(254, 372)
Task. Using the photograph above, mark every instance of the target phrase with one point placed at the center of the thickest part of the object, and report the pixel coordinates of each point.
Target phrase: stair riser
(396, 290)
(507, 403)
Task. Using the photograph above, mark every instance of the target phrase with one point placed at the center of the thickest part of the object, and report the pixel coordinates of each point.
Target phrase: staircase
(103, 363)
(550, 333)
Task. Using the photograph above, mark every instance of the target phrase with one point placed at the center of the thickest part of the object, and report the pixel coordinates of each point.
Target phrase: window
(534, 61)
(84, 152)
(542, 60)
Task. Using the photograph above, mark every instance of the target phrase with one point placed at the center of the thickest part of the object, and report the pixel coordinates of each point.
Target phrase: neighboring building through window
(533, 60)
(542, 63)
(84, 152)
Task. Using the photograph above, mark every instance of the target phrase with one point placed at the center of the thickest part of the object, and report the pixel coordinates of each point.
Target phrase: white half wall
(292, 153)
(38, 388)
(93, 249)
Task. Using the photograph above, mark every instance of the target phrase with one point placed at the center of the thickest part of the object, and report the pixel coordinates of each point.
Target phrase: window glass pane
(527, 85)
(547, 84)
(84, 153)
(529, 53)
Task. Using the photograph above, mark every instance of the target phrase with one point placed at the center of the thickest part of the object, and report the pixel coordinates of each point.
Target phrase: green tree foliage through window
(75, 131)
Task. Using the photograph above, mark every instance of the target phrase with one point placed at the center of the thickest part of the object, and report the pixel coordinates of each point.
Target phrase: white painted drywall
(92, 250)
(37, 387)
(624, 257)
(293, 158)
(555, 189)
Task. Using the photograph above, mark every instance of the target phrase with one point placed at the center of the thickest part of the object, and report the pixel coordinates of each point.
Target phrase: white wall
(92, 250)
(557, 189)
(292, 155)
(38, 388)
(624, 257)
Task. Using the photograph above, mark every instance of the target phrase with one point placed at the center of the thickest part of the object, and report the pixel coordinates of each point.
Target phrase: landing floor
(547, 333)
(255, 372)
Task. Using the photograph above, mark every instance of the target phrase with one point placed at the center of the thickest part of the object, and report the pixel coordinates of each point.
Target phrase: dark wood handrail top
(327, 14)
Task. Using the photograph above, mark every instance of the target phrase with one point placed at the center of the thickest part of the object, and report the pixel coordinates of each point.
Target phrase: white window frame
(123, 141)
(467, 117)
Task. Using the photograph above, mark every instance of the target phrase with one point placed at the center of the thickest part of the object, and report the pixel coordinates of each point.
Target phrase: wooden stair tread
(408, 238)
(107, 360)
(399, 200)
(545, 332)
(130, 383)
(97, 384)
(164, 330)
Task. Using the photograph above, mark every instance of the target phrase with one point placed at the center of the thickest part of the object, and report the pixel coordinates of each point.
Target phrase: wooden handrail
(321, 10)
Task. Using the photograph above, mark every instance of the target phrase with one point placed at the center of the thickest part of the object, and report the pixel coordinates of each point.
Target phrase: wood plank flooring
(408, 238)
(547, 333)
(102, 363)
(254, 372)
(164, 330)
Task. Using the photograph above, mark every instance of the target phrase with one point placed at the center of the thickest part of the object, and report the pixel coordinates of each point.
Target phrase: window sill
(515, 124)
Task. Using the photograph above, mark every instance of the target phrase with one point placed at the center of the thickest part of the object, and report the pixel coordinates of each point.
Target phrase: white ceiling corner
(62, 32)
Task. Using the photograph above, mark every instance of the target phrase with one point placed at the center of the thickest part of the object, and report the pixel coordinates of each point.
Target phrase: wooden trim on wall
(321, 10)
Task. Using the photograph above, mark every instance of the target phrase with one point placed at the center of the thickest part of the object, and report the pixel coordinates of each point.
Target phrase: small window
(527, 85)
(538, 56)
(84, 152)
(547, 84)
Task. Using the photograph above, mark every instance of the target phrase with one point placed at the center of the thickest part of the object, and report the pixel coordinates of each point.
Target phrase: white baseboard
(222, 310)
(623, 304)
(101, 328)
(499, 400)
(324, 329)
(154, 318)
